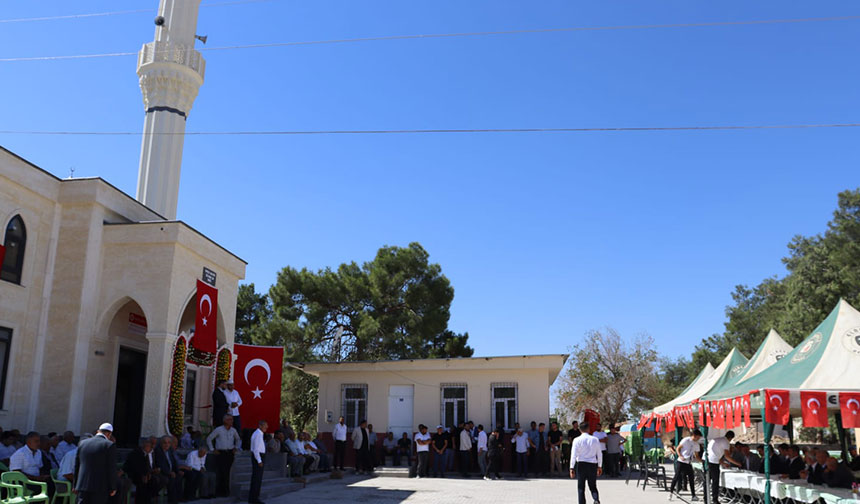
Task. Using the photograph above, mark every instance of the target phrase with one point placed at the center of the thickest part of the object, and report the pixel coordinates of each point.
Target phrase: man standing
(466, 450)
(422, 449)
(554, 437)
(542, 450)
(339, 434)
(234, 402)
(586, 462)
(687, 450)
(361, 445)
(494, 453)
(482, 451)
(600, 435)
(258, 455)
(533, 442)
(522, 443)
(95, 467)
(614, 441)
(219, 403)
(223, 442)
(718, 452)
(441, 448)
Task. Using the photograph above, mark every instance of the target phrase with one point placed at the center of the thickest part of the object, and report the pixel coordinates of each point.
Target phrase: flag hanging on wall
(813, 408)
(257, 378)
(205, 341)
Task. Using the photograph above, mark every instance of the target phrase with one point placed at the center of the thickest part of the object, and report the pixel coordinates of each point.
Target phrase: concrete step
(392, 472)
(270, 490)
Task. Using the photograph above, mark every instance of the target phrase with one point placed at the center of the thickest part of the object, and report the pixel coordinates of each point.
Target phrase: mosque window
(14, 242)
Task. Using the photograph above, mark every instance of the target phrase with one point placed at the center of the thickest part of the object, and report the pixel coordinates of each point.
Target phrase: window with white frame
(354, 403)
(453, 404)
(505, 407)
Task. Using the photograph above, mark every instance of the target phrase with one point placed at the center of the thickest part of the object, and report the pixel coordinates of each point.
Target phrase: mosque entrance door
(128, 403)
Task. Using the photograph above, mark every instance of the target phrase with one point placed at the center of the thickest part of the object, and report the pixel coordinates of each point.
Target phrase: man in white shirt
(465, 449)
(258, 455)
(65, 446)
(233, 403)
(687, 450)
(586, 462)
(339, 434)
(601, 436)
(521, 444)
(7, 447)
(223, 442)
(482, 452)
(718, 451)
(422, 450)
(196, 476)
(389, 447)
(28, 458)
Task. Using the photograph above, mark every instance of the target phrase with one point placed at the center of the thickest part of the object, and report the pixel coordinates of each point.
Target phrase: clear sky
(543, 235)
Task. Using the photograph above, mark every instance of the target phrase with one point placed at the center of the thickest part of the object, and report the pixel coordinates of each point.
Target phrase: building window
(354, 403)
(5, 350)
(15, 241)
(453, 404)
(505, 409)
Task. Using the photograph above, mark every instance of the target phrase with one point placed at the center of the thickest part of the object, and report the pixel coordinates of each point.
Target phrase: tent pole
(843, 439)
(707, 490)
(768, 435)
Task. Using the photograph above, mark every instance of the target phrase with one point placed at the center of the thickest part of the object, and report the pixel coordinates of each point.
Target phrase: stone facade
(98, 264)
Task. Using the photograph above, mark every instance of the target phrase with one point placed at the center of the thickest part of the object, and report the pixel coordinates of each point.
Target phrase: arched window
(15, 242)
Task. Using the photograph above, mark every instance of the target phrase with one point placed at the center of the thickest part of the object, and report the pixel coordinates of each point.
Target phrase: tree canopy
(396, 306)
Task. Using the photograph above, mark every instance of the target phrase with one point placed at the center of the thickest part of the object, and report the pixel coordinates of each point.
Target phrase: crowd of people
(472, 449)
(789, 461)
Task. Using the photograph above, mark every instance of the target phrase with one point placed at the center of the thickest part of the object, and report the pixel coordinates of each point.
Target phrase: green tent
(771, 350)
(731, 366)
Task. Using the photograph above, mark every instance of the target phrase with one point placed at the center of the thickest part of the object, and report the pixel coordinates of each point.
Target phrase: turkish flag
(702, 414)
(776, 406)
(205, 338)
(691, 421)
(849, 405)
(747, 407)
(679, 417)
(730, 416)
(737, 405)
(257, 378)
(670, 421)
(813, 408)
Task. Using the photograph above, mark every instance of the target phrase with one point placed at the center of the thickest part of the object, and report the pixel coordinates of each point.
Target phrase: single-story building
(398, 395)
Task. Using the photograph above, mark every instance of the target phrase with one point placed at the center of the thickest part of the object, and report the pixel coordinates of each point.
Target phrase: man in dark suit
(139, 466)
(219, 403)
(795, 463)
(95, 467)
(168, 466)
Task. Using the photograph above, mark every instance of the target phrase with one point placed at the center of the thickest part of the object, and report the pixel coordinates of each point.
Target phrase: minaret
(170, 72)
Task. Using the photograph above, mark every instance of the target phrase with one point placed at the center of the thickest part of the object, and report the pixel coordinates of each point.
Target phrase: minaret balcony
(170, 52)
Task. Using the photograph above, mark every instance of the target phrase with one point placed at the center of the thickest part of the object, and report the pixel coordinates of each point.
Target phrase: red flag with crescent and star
(747, 407)
(205, 340)
(776, 406)
(730, 416)
(257, 378)
(738, 405)
(702, 413)
(849, 406)
(813, 408)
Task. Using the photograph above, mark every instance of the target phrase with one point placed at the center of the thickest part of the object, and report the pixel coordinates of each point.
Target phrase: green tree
(610, 375)
(253, 311)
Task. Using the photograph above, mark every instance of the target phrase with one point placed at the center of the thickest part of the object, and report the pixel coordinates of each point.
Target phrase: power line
(425, 131)
(456, 34)
(116, 13)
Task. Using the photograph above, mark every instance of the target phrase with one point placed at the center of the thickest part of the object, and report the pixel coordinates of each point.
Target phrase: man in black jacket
(95, 467)
(795, 464)
(140, 466)
(168, 466)
(219, 404)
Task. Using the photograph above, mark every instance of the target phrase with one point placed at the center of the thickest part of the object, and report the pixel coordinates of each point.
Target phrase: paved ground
(388, 490)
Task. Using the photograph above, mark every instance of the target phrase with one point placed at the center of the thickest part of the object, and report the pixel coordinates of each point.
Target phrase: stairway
(275, 480)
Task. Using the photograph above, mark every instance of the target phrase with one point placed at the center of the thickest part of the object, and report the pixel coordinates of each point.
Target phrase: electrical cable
(450, 35)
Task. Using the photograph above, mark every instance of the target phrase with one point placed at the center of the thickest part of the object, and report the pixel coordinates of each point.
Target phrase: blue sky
(543, 235)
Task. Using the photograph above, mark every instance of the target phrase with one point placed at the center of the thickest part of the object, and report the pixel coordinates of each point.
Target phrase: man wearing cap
(95, 467)
(234, 401)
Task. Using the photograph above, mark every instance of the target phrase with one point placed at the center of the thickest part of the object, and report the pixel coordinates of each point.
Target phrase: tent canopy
(828, 359)
(771, 350)
(731, 366)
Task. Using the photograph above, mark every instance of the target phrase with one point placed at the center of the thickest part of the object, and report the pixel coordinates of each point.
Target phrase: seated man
(389, 447)
(168, 468)
(67, 465)
(7, 446)
(29, 461)
(837, 475)
(196, 476)
(313, 449)
(309, 453)
(140, 467)
(66, 445)
(297, 457)
(814, 473)
(404, 449)
(187, 441)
